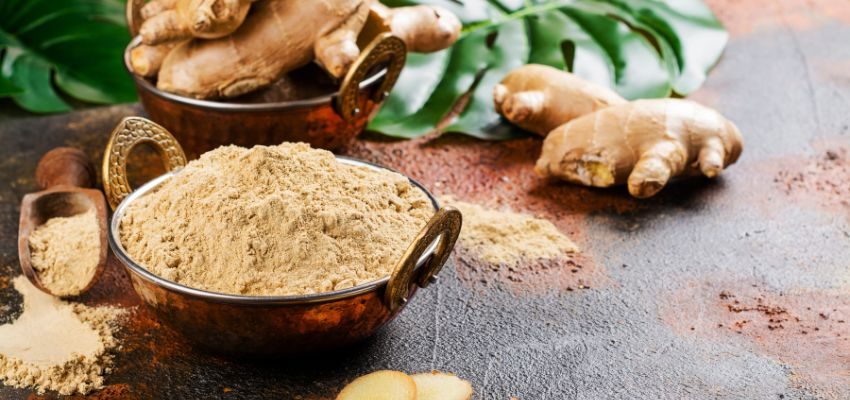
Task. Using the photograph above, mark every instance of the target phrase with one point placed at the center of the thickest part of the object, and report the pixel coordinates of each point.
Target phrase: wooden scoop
(66, 175)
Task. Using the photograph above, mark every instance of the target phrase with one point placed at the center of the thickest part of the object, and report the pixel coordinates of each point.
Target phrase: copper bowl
(268, 325)
(331, 115)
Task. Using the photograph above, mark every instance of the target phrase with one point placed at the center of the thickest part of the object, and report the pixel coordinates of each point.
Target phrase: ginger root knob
(170, 20)
(423, 28)
(539, 98)
(643, 144)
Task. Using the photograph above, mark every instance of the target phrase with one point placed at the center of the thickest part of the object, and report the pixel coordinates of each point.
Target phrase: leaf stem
(522, 13)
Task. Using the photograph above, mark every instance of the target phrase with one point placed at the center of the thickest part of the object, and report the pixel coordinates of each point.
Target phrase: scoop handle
(65, 166)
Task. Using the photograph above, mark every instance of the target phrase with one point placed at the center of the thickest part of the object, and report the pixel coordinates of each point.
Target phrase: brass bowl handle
(130, 132)
(445, 224)
(383, 49)
(133, 14)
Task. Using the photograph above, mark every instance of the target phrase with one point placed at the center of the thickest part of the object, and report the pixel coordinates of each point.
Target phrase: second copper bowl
(327, 118)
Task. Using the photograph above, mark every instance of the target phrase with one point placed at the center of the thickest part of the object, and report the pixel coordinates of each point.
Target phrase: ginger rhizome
(170, 20)
(279, 36)
(213, 49)
(644, 143)
(596, 138)
(424, 29)
(167, 23)
(539, 98)
(146, 60)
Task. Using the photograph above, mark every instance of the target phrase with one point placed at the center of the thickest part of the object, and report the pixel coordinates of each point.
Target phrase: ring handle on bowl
(133, 14)
(130, 132)
(383, 49)
(445, 225)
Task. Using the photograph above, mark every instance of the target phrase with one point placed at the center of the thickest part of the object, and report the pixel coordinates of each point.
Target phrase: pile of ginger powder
(274, 220)
(55, 345)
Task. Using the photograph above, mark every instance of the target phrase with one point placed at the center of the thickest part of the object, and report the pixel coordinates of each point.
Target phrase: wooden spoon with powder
(62, 234)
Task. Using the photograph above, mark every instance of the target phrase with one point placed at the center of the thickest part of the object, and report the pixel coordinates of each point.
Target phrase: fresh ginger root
(167, 23)
(423, 29)
(594, 137)
(277, 37)
(380, 385)
(231, 52)
(170, 20)
(146, 60)
(643, 143)
(539, 98)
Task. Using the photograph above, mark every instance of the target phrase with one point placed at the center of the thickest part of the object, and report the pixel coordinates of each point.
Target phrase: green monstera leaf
(640, 48)
(72, 46)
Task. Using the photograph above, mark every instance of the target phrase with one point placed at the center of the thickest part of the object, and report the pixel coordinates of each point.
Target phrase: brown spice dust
(804, 329)
(823, 179)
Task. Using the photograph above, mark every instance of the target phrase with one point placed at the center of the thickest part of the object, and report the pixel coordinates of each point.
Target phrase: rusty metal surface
(738, 288)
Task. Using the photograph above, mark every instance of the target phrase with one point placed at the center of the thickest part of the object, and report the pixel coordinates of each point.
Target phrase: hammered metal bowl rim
(232, 106)
(120, 252)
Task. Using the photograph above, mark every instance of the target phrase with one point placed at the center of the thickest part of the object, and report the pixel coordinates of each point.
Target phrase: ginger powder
(274, 220)
(508, 238)
(65, 252)
(55, 345)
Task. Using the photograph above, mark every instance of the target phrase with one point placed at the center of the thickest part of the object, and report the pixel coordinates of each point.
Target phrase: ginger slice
(437, 385)
(380, 385)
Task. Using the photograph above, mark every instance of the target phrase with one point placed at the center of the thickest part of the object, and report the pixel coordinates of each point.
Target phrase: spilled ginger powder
(508, 238)
(274, 220)
(65, 251)
(55, 345)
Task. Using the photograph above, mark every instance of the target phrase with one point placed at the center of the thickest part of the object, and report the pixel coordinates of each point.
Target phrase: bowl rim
(121, 254)
(144, 84)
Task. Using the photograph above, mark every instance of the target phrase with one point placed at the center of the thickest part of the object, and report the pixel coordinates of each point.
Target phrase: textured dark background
(737, 288)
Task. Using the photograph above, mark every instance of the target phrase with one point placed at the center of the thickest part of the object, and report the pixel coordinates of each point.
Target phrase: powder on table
(274, 220)
(507, 238)
(56, 345)
(65, 252)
